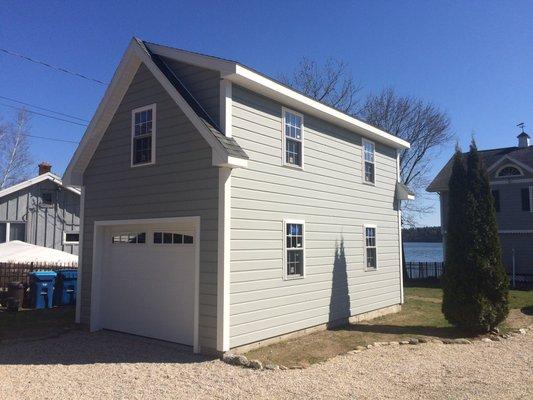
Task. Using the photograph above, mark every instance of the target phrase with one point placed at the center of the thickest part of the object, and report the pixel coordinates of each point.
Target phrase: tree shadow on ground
(527, 310)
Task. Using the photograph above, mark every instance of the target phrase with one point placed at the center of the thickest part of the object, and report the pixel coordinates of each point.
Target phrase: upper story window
(369, 150)
(294, 249)
(509, 171)
(371, 248)
(293, 138)
(47, 199)
(71, 237)
(527, 198)
(143, 131)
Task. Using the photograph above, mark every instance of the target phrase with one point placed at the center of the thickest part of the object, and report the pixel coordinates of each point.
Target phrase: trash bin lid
(68, 274)
(43, 275)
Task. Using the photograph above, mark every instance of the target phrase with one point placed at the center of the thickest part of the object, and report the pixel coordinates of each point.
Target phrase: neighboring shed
(41, 211)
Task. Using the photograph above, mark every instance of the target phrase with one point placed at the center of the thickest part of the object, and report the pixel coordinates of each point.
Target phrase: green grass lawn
(421, 316)
(27, 324)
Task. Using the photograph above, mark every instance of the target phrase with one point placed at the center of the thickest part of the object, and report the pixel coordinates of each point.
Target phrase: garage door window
(129, 238)
(172, 238)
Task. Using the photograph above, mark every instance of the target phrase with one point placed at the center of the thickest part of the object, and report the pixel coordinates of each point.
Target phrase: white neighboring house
(41, 211)
(221, 209)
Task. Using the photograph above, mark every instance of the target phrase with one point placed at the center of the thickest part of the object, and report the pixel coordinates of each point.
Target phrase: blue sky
(473, 59)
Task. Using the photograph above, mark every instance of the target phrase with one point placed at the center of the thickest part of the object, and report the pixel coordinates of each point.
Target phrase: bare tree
(421, 123)
(329, 83)
(15, 156)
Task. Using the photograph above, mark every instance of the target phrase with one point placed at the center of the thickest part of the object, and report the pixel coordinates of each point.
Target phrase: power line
(11, 53)
(42, 108)
(52, 139)
(42, 115)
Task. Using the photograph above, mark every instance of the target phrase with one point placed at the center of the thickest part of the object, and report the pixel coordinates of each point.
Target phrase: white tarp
(21, 252)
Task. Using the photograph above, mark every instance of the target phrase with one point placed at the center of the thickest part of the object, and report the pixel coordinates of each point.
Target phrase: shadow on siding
(339, 304)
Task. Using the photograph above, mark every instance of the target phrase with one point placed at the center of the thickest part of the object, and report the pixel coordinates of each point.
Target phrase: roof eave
(269, 88)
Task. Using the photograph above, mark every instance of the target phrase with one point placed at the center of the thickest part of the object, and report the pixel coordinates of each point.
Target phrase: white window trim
(284, 162)
(363, 161)
(509, 176)
(365, 247)
(65, 233)
(531, 199)
(287, 277)
(152, 107)
(8, 229)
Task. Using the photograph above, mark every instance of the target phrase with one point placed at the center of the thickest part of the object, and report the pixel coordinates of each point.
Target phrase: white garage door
(148, 281)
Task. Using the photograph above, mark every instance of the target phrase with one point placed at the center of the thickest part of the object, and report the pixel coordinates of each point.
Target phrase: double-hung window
(371, 249)
(526, 195)
(369, 169)
(294, 249)
(293, 138)
(143, 132)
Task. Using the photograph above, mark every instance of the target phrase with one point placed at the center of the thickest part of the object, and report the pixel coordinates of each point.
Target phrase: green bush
(475, 285)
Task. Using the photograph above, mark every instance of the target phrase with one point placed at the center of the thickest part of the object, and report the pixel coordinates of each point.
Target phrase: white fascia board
(269, 88)
(47, 176)
(102, 117)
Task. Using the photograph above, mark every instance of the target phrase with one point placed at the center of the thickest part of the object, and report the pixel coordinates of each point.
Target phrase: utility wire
(42, 108)
(52, 139)
(42, 115)
(11, 53)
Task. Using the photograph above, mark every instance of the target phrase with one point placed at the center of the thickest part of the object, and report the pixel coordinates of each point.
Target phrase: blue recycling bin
(42, 289)
(65, 288)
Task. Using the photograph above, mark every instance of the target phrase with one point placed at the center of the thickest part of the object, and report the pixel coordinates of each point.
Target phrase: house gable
(226, 151)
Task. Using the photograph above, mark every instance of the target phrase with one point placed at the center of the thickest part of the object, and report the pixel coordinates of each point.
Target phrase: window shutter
(525, 200)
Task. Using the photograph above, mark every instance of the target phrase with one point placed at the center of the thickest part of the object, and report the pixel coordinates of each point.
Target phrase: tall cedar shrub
(475, 283)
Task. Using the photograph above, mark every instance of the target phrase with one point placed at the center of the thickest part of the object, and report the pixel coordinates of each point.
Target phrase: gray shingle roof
(230, 144)
(523, 155)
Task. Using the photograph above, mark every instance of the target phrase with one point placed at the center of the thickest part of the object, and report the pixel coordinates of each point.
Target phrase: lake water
(420, 251)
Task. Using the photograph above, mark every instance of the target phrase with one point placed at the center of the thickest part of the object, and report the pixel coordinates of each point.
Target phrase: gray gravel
(110, 365)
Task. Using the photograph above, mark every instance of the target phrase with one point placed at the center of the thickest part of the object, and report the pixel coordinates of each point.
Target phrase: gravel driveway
(110, 365)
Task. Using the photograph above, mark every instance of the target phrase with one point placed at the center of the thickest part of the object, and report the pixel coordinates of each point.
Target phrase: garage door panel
(148, 289)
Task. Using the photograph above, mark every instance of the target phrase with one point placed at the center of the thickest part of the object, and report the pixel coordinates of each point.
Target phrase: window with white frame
(293, 138)
(294, 249)
(10, 231)
(143, 131)
(71, 237)
(369, 169)
(371, 251)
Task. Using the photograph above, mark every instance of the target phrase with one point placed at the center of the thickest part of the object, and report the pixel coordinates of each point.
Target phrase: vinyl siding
(44, 225)
(511, 216)
(522, 244)
(183, 182)
(330, 196)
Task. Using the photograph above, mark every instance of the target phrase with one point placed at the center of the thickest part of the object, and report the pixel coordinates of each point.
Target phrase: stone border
(494, 336)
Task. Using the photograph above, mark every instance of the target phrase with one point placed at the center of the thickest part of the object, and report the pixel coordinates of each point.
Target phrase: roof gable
(41, 178)
(226, 151)
(521, 157)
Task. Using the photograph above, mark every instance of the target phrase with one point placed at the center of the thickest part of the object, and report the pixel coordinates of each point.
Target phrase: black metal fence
(424, 270)
(19, 272)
